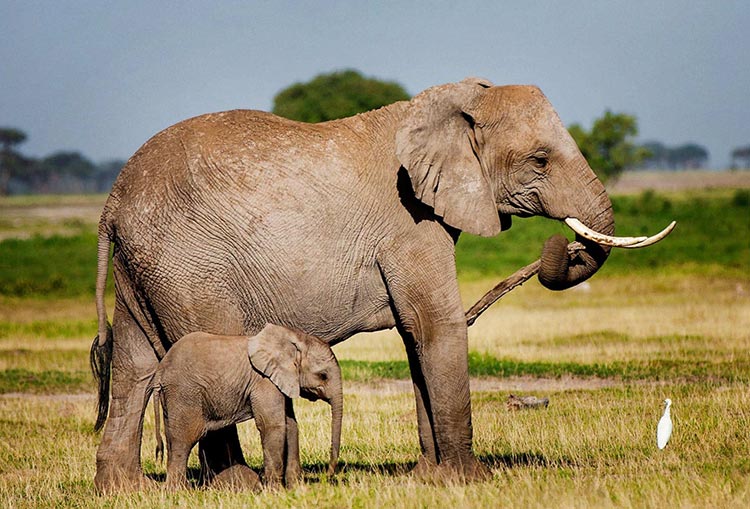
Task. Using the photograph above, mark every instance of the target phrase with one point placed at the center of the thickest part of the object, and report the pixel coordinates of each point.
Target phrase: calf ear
(272, 353)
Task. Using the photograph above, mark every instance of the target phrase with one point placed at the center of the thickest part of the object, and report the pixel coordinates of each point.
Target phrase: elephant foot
(292, 478)
(112, 480)
(236, 478)
(469, 470)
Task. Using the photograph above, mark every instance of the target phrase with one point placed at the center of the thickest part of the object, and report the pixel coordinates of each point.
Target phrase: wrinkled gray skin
(230, 220)
(207, 382)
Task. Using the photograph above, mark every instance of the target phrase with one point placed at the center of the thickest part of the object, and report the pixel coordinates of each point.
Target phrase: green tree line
(59, 172)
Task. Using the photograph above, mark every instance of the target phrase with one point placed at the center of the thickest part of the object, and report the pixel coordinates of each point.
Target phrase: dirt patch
(520, 384)
(25, 222)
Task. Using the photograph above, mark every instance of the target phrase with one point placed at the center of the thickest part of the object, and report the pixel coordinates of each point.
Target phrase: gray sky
(102, 77)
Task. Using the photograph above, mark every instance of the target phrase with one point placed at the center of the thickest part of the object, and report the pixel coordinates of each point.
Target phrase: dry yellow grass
(532, 323)
(588, 449)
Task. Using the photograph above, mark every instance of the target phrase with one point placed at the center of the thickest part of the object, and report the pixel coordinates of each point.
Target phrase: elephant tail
(100, 360)
(102, 266)
(159, 453)
(100, 356)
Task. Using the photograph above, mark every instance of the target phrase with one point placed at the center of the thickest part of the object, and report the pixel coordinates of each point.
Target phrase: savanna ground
(669, 321)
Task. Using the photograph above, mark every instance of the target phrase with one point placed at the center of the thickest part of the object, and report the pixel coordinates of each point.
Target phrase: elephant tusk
(624, 242)
(600, 238)
(655, 238)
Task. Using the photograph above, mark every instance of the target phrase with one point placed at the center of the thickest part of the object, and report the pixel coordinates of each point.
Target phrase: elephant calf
(207, 382)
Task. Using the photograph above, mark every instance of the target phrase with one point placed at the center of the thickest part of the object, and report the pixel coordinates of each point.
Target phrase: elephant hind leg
(183, 429)
(133, 362)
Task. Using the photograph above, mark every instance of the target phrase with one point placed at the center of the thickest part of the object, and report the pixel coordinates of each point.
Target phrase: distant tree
(661, 157)
(10, 137)
(11, 162)
(62, 171)
(608, 146)
(106, 173)
(741, 157)
(335, 95)
(689, 155)
(658, 155)
(67, 163)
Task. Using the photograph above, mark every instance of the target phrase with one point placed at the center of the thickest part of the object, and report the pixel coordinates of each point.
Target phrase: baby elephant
(206, 382)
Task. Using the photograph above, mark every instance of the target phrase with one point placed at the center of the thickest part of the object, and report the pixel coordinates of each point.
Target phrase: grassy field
(670, 321)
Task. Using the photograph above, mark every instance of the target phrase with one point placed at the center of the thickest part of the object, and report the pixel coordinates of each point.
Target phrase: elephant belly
(323, 301)
(204, 292)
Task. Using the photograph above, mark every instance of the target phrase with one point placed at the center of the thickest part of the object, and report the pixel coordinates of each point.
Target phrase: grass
(589, 448)
(670, 321)
(48, 267)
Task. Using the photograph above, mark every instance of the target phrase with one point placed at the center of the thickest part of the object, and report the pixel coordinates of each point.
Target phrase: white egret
(664, 429)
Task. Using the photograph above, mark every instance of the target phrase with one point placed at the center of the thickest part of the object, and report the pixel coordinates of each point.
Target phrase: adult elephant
(227, 221)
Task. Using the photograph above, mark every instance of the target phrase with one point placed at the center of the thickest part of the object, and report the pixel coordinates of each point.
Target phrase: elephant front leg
(293, 469)
(441, 382)
(270, 411)
(426, 438)
(431, 321)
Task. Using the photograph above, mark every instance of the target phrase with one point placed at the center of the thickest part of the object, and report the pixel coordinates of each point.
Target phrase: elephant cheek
(553, 268)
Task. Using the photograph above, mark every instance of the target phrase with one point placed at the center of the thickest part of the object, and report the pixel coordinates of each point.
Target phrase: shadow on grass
(388, 468)
(315, 473)
(524, 459)
(398, 469)
(193, 476)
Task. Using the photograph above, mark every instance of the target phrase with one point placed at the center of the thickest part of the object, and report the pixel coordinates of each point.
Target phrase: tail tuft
(100, 360)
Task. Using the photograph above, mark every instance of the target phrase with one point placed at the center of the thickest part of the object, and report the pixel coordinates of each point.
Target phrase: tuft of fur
(100, 361)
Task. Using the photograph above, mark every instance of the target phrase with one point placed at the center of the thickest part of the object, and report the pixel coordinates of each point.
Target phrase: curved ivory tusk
(600, 238)
(624, 242)
(654, 239)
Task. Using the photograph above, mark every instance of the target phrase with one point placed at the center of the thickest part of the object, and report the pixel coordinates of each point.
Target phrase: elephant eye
(539, 160)
(324, 376)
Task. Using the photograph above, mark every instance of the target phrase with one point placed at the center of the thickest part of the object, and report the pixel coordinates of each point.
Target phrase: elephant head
(301, 365)
(479, 153)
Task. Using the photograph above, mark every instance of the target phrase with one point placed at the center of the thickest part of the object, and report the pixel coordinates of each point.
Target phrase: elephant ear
(435, 143)
(272, 353)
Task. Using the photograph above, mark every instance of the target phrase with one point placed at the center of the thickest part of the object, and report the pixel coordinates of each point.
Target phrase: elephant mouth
(506, 221)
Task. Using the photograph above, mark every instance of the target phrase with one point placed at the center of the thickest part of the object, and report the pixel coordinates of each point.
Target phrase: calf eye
(324, 376)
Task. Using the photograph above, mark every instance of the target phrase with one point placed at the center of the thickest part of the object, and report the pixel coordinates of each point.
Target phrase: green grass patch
(45, 382)
(48, 329)
(735, 369)
(50, 359)
(48, 267)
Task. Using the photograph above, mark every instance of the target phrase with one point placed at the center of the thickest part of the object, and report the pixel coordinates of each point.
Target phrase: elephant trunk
(560, 270)
(337, 412)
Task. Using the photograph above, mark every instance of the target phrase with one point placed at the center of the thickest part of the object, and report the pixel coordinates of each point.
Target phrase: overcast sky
(102, 77)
